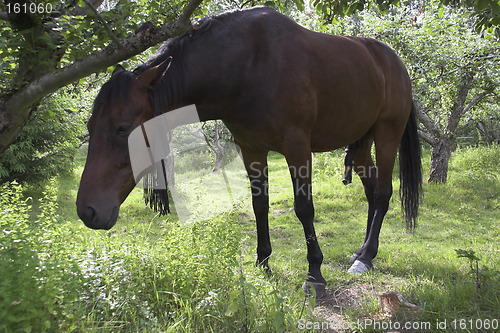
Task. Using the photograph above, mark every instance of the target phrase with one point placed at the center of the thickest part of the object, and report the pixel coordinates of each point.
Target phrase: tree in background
(47, 45)
(48, 143)
(454, 71)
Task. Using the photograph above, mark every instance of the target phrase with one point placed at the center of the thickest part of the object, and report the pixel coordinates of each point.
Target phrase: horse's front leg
(256, 166)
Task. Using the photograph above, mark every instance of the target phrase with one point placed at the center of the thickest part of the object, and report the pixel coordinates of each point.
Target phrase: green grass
(154, 274)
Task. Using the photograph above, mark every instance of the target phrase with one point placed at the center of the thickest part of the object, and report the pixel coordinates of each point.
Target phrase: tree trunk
(169, 161)
(218, 149)
(219, 157)
(440, 157)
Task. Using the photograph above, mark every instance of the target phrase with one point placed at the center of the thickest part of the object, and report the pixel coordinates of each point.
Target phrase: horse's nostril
(90, 213)
(87, 214)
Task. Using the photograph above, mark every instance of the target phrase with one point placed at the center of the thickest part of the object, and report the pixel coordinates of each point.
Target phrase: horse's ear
(118, 70)
(152, 75)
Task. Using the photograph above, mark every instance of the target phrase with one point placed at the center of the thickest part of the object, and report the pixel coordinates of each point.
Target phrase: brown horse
(278, 87)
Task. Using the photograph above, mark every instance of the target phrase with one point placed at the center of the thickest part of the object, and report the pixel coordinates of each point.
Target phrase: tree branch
(477, 99)
(15, 108)
(189, 10)
(427, 138)
(458, 108)
(429, 125)
(81, 11)
(105, 24)
(474, 101)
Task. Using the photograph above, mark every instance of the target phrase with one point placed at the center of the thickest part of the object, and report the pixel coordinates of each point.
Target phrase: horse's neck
(209, 80)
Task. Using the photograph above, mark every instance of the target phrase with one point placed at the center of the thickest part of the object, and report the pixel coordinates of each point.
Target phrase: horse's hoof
(353, 258)
(265, 267)
(358, 267)
(319, 289)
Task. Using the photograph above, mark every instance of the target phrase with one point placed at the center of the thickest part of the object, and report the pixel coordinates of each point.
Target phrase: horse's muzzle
(93, 220)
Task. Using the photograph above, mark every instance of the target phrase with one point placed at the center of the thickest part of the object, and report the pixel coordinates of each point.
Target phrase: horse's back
(334, 88)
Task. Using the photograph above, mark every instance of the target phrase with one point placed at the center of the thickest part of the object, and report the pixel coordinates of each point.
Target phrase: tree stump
(391, 302)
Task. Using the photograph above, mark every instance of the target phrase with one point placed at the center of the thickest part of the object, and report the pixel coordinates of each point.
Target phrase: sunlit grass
(155, 274)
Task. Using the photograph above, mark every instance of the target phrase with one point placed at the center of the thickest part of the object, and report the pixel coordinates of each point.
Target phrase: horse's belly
(333, 130)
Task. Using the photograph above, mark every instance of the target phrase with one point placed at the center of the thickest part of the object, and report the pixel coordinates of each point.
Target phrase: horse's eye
(122, 129)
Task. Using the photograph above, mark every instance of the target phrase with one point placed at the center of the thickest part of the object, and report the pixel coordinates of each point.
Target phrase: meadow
(157, 274)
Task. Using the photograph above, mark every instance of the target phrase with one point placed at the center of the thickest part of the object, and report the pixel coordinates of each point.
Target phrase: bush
(62, 277)
(477, 167)
(31, 288)
(48, 143)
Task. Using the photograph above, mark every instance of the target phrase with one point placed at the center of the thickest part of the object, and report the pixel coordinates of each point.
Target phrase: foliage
(77, 31)
(484, 172)
(454, 72)
(34, 277)
(246, 298)
(151, 274)
(49, 141)
(473, 262)
(486, 13)
(64, 44)
(58, 276)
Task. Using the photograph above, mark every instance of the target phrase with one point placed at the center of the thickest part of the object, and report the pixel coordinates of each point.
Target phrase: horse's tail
(410, 170)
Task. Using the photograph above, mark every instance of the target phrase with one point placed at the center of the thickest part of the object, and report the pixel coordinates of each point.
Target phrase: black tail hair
(156, 198)
(410, 171)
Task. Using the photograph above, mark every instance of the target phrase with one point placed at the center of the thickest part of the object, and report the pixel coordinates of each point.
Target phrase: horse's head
(122, 104)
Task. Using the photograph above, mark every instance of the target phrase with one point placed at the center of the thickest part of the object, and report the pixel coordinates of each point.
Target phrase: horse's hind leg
(386, 150)
(367, 172)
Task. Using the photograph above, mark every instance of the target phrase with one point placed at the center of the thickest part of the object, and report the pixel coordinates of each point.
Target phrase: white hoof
(358, 268)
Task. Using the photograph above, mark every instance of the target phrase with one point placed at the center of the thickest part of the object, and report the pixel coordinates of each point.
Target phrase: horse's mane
(117, 88)
(175, 45)
(168, 92)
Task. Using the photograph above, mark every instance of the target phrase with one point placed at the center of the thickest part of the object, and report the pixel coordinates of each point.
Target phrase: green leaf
(440, 13)
(232, 308)
(351, 9)
(279, 321)
(467, 254)
(482, 4)
(299, 4)
(270, 4)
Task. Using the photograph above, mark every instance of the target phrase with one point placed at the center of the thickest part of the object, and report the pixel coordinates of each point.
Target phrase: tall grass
(152, 274)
